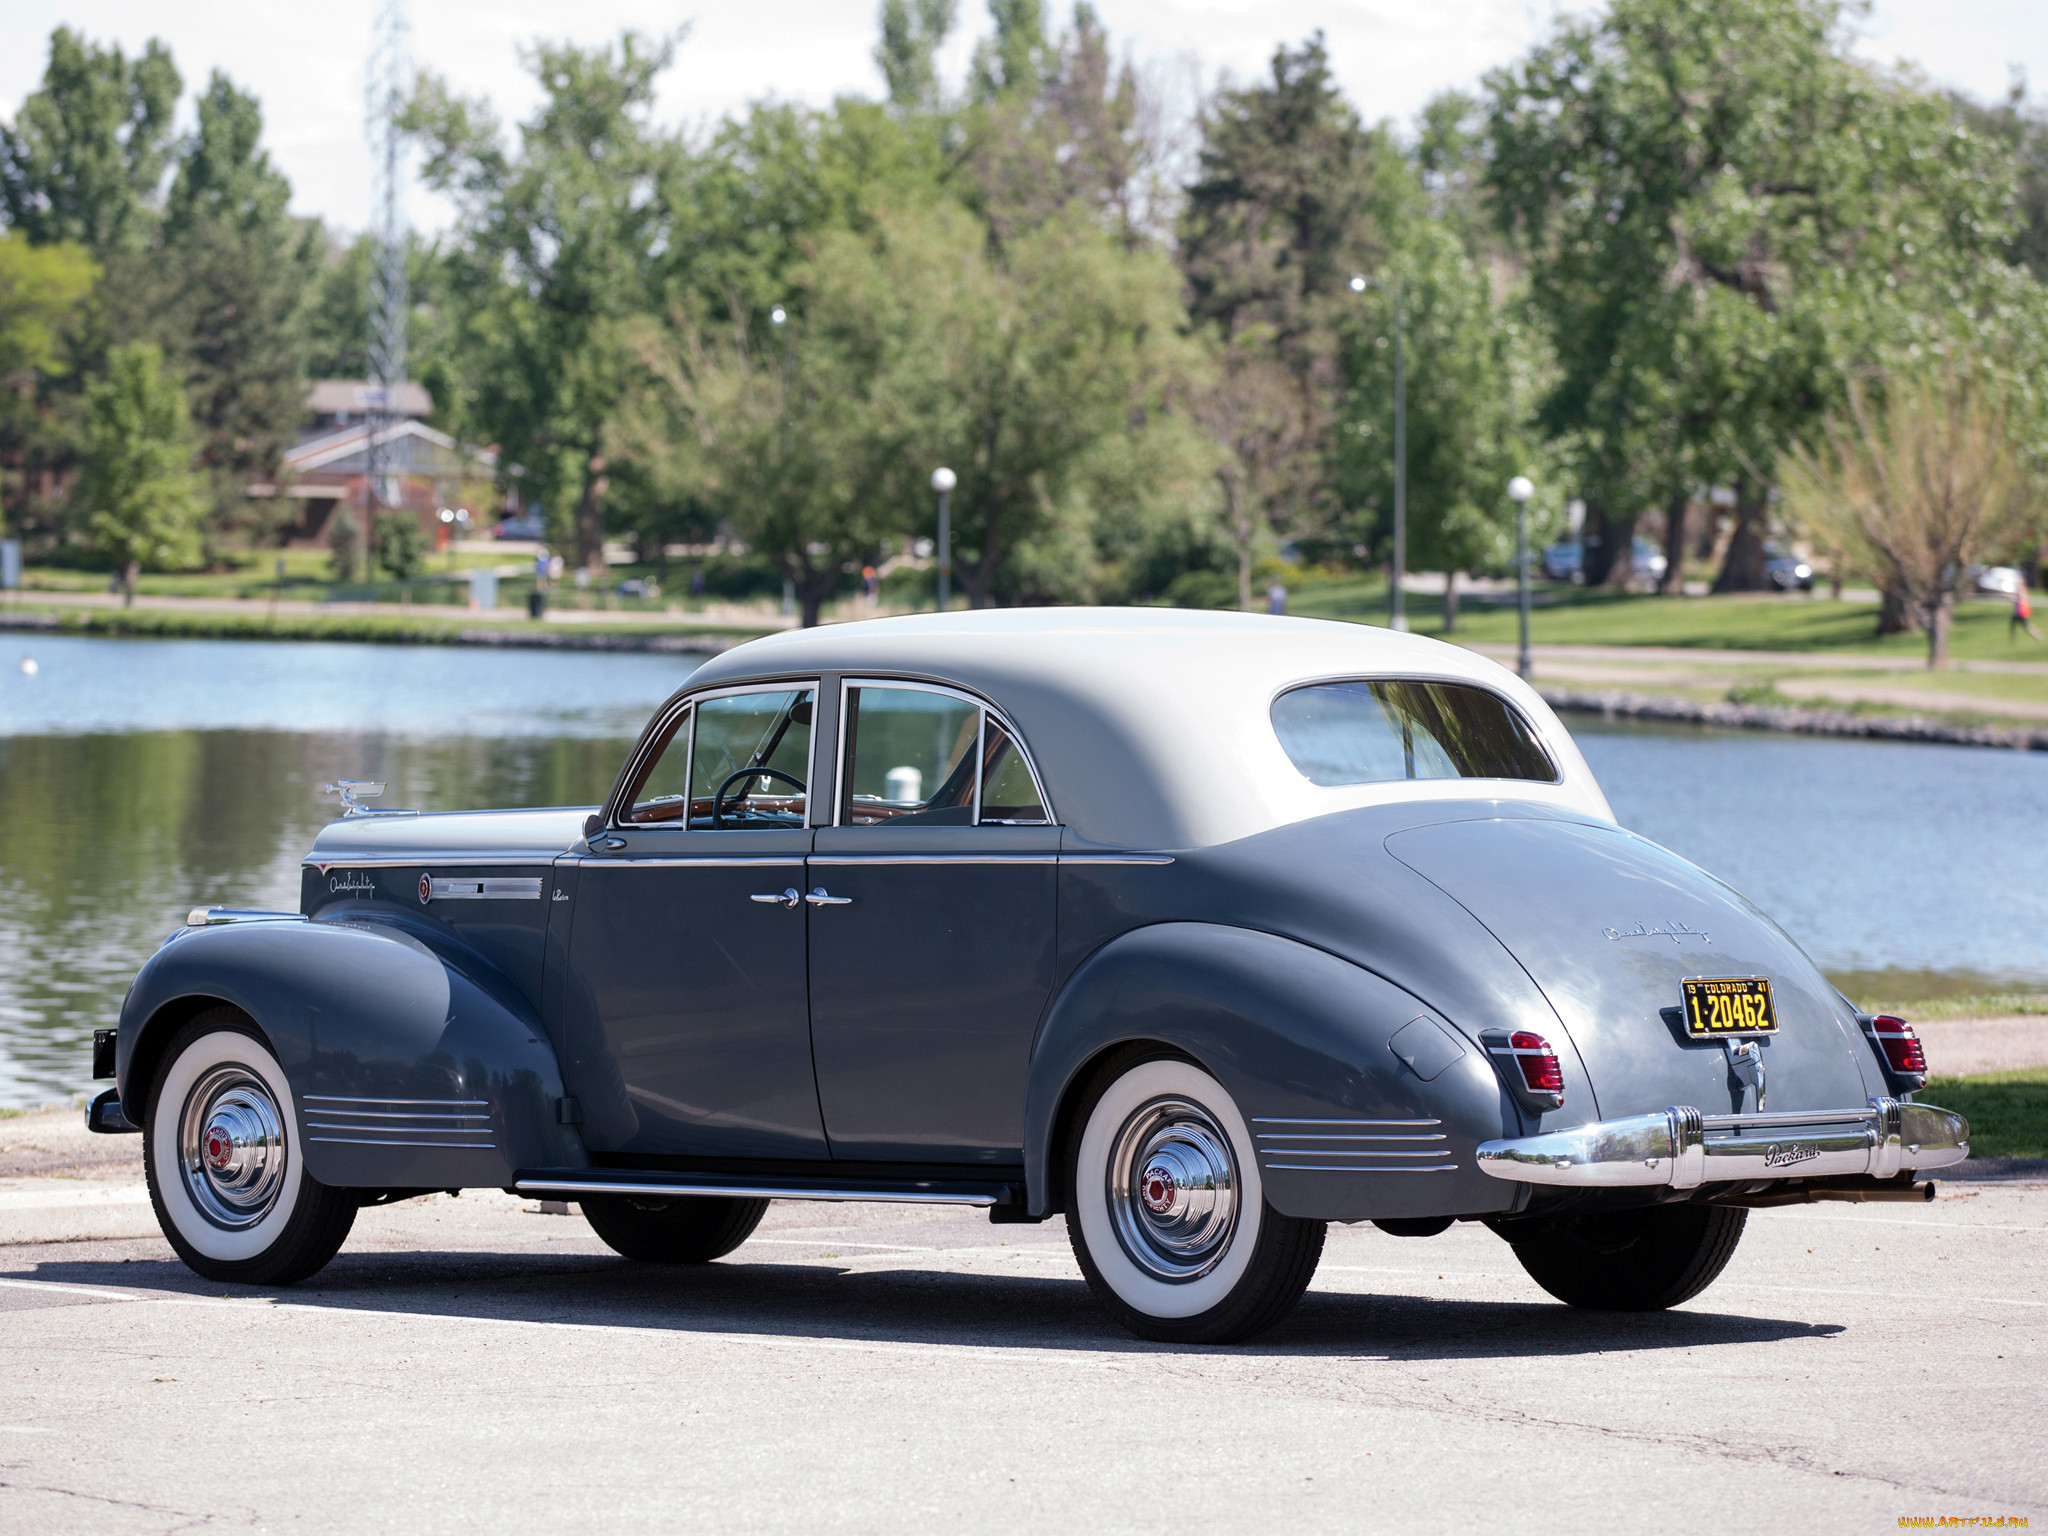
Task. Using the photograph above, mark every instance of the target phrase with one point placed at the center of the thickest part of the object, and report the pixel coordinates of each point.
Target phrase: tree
(912, 32)
(1468, 381)
(1917, 486)
(1256, 411)
(1722, 212)
(42, 292)
(553, 257)
(135, 483)
(401, 546)
(222, 292)
(86, 155)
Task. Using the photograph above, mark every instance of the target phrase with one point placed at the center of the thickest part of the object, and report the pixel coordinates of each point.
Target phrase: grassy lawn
(2007, 1111)
(426, 625)
(1745, 622)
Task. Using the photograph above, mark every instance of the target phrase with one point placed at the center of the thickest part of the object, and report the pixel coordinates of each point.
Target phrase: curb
(1621, 705)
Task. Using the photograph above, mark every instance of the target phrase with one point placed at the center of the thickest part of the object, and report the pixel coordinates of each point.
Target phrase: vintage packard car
(1202, 930)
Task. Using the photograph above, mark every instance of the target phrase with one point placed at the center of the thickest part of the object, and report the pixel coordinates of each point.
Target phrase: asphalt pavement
(482, 1362)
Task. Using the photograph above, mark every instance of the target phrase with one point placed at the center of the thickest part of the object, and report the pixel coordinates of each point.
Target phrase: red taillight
(1901, 1046)
(1538, 1062)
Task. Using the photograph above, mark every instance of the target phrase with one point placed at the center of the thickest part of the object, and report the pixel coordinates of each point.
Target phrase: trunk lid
(1607, 924)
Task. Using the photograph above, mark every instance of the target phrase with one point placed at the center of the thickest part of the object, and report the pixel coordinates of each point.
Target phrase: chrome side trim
(628, 861)
(443, 856)
(330, 1098)
(398, 1122)
(216, 917)
(1684, 1149)
(392, 1141)
(1333, 1168)
(1116, 858)
(837, 860)
(1266, 1121)
(751, 1191)
(501, 888)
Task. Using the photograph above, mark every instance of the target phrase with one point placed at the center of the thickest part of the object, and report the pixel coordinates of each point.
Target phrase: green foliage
(401, 544)
(136, 482)
(344, 544)
(41, 289)
(912, 32)
(2007, 1111)
(86, 153)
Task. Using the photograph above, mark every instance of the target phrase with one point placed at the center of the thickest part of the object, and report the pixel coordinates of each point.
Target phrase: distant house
(423, 470)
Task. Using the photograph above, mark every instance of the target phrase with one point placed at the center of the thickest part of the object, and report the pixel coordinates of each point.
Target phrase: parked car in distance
(520, 528)
(1201, 930)
(1563, 562)
(2003, 580)
(1788, 573)
(1650, 562)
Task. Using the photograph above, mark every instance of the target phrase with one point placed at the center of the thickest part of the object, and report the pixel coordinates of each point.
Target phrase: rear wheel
(1630, 1261)
(1167, 1213)
(225, 1170)
(684, 1229)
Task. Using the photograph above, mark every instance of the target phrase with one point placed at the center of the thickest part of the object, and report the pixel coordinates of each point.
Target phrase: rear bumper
(1683, 1148)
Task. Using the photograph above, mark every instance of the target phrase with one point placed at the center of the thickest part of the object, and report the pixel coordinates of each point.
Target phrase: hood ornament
(349, 789)
(1677, 933)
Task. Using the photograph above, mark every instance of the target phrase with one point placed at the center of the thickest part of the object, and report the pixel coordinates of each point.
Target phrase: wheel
(225, 1172)
(686, 1229)
(1630, 1261)
(1167, 1213)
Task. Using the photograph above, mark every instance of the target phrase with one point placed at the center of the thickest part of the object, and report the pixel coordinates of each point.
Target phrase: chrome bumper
(1685, 1149)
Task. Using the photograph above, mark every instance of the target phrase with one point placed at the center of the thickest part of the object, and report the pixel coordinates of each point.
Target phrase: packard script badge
(426, 890)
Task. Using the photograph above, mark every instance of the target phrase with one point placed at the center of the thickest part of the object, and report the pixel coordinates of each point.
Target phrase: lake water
(142, 778)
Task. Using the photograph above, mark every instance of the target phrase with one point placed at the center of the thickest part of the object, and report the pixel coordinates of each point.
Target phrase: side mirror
(591, 823)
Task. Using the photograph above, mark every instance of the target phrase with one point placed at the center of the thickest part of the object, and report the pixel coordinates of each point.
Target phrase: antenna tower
(385, 91)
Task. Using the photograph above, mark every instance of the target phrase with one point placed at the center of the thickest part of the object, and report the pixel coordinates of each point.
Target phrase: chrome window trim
(1543, 741)
(426, 860)
(848, 682)
(689, 702)
(936, 858)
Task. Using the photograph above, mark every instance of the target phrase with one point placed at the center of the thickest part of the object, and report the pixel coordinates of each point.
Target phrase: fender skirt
(412, 1065)
(1362, 1102)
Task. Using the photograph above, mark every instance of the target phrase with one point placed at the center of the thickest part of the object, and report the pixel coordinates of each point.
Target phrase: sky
(307, 66)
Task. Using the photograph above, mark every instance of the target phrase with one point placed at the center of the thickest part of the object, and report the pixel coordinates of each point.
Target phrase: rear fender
(412, 1064)
(1296, 1035)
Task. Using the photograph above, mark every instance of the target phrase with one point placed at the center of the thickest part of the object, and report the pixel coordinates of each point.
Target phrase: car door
(933, 899)
(686, 956)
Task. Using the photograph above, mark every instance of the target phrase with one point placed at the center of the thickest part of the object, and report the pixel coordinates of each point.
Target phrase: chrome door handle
(786, 898)
(819, 898)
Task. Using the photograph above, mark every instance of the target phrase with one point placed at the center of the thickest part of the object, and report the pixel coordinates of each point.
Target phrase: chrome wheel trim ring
(1173, 1190)
(231, 1148)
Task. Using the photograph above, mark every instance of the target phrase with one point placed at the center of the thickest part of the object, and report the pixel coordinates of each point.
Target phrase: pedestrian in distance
(2022, 615)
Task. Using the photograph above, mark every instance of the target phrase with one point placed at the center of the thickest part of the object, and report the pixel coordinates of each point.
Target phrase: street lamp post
(943, 481)
(1396, 597)
(1519, 492)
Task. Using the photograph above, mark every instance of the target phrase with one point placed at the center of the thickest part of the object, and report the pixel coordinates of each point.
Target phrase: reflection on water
(1902, 868)
(108, 836)
(141, 778)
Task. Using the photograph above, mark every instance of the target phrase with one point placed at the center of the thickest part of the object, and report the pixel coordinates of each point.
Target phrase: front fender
(412, 1064)
(1297, 1036)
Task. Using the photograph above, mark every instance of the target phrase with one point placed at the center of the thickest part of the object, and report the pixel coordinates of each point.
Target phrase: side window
(1008, 797)
(751, 759)
(916, 757)
(662, 791)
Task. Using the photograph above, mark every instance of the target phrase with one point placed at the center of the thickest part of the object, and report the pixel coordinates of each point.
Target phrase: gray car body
(1332, 957)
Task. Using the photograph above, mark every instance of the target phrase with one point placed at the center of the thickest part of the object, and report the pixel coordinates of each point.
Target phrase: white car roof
(1152, 727)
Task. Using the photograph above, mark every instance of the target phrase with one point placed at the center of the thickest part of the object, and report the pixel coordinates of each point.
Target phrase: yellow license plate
(1729, 1005)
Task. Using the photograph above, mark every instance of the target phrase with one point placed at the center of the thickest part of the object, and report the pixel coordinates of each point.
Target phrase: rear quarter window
(1386, 730)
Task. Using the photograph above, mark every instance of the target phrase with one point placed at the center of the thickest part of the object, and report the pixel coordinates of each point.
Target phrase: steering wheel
(718, 799)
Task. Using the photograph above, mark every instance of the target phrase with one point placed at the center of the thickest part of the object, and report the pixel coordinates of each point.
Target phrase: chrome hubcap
(231, 1149)
(1173, 1190)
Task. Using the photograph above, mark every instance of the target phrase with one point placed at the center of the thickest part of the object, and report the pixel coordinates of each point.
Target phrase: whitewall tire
(226, 1172)
(1167, 1211)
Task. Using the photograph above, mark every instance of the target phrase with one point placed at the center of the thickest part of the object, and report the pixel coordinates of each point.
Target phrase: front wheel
(683, 1229)
(1630, 1261)
(225, 1170)
(1167, 1213)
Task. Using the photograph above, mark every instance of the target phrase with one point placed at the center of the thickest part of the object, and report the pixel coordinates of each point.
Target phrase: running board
(567, 1186)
